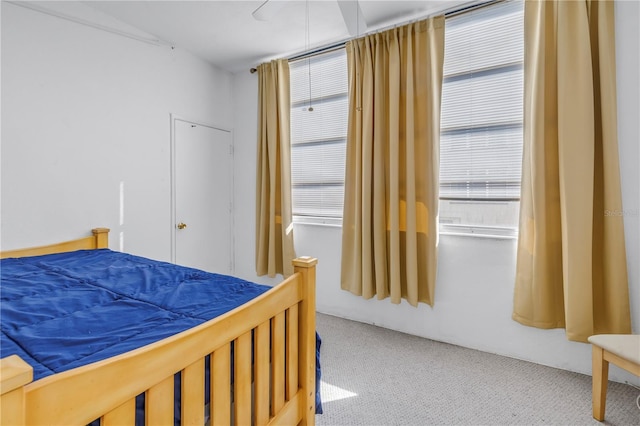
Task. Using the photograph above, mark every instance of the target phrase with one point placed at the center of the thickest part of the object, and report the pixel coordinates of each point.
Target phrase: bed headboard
(99, 239)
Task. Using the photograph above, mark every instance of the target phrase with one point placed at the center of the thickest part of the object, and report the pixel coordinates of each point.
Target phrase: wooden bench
(622, 350)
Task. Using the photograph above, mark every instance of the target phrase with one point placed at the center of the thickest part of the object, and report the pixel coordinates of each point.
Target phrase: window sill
(479, 231)
(331, 222)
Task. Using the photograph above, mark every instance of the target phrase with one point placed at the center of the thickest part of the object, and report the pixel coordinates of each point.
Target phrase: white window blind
(481, 122)
(319, 100)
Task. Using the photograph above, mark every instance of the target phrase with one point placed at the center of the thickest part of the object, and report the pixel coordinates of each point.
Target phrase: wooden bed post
(14, 375)
(102, 237)
(306, 267)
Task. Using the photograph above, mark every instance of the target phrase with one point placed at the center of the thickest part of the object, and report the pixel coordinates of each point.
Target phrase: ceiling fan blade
(267, 10)
(353, 17)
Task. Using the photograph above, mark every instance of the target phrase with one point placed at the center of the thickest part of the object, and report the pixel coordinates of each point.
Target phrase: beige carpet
(374, 376)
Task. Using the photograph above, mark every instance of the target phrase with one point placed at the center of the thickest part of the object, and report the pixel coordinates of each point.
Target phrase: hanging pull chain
(357, 49)
(307, 42)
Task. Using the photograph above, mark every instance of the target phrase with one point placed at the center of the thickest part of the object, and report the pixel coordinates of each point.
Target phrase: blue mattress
(65, 310)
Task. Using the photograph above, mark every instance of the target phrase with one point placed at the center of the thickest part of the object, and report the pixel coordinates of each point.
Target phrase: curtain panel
(274, 223)
(571, 262)
(391, 185)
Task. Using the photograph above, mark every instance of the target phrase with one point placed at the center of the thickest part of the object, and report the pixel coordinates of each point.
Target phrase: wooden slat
(122, 415)
(277, 362)
(159, 403)
(292, 352)
(242, 379)
(192, 398)
(221, 386)
(261, 373)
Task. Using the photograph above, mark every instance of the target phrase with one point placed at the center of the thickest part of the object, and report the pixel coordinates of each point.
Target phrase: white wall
(474, 290)
(79, 101)
(628, 70)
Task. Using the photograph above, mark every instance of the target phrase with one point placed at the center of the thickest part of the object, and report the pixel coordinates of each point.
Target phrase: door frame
(172, 226)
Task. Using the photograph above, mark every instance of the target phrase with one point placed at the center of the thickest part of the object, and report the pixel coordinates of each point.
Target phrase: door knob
(181, 225)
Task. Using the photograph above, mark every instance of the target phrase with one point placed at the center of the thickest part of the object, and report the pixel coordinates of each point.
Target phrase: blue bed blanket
(66, 310)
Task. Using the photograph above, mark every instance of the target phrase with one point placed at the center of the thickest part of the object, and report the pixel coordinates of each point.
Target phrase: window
(319, 100)
(481, 126)
(481, 122)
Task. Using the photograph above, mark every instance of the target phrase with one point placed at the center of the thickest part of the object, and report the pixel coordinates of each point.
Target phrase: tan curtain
(571, 264)
(274, 227)
(391, 184)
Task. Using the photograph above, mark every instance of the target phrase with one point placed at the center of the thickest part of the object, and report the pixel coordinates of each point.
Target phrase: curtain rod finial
(253, 70)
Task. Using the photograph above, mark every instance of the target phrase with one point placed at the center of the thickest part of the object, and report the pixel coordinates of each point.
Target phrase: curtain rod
(448, 13)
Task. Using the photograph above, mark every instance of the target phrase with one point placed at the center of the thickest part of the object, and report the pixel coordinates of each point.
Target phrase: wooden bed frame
(277, 387)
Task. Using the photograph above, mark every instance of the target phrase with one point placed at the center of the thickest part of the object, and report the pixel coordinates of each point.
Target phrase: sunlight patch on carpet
(334, 393)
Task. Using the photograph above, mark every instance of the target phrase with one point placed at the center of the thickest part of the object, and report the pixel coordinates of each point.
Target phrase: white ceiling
(226, 34)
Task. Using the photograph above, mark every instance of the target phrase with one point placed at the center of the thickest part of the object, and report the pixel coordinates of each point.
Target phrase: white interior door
(203, 190)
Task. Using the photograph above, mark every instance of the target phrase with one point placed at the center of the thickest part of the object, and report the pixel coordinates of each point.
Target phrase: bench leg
(600, 373)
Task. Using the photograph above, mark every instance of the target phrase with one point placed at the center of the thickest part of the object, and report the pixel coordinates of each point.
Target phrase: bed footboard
(262, 371)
